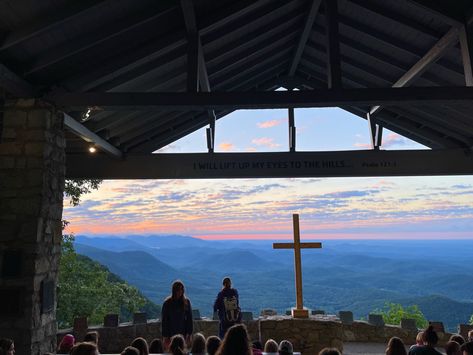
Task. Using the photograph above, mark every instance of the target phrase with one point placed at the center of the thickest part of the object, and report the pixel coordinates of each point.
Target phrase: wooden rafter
(447, 41)
(260, 100)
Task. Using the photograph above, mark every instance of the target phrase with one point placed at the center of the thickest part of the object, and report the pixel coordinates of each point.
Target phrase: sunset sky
(329, 208)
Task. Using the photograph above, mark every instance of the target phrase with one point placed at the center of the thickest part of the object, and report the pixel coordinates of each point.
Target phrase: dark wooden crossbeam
(273, 165)
(261, 100)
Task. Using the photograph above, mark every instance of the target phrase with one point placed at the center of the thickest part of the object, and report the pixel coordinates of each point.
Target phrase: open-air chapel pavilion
(129, 77)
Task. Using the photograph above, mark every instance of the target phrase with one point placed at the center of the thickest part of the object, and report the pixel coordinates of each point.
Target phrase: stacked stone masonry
(32, 167)
(309, 336)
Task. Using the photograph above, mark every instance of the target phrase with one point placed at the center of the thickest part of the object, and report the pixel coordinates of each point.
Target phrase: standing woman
(227, 304)
(176, 315)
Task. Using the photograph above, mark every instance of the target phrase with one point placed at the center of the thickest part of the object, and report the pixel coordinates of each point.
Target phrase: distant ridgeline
(360, 276)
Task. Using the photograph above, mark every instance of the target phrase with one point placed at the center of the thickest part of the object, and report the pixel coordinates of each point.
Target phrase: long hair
(156, 346)
(92, 337)
(430, 336)
(236, 342)
(271, 346)
(84, 349)
(177, 346)
(198, 344)
(5, 345)
(176, 287)
(212, 344)
(329, 351)
(396, 347)
(66, 344)
(141, 345)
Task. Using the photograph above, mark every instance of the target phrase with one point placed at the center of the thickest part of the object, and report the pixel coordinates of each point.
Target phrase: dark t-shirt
(423, 350)
(176, 318)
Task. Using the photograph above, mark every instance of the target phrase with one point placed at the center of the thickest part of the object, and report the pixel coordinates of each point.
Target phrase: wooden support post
(292, 130)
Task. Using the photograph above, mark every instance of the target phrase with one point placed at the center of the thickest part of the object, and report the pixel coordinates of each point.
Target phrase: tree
(74, 189)
(393, 313)
(471, 319)
(87, 288)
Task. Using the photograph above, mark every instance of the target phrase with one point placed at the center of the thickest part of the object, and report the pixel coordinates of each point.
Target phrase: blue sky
(330, 208)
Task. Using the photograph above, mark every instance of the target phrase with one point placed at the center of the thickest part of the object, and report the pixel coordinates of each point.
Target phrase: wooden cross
(299, 311)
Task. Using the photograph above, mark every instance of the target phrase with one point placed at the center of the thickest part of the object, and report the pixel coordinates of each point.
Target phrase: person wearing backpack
(227, 305)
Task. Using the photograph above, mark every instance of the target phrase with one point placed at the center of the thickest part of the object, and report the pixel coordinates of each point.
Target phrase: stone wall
(31, 192)
(309, 336)
(115, 339)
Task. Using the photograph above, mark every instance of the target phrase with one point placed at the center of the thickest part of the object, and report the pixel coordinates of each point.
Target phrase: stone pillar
(32, 167)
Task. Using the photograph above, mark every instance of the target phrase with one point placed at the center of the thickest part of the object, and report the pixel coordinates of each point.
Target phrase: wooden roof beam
(309, 22)
(334, 70)
(14, 84)
(89, 136)
(53, 20)
(260, 99)
(448, 40)
(441, 10)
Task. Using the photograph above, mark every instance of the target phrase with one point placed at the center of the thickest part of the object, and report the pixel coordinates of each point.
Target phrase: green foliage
(74, 189)
(471, 319)
(393, 313)
(85, 289)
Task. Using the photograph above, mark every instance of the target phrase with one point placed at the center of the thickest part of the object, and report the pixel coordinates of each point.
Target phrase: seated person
(156, 346)
(141, 344)
(458, 338)
(130, 350)
(329, 351)
(430, 339)
(452, 348)
(285, 348)
(271, 346)
(84, 349)
(467, 348)
(66, 344)
(198, 344)
(212, 344)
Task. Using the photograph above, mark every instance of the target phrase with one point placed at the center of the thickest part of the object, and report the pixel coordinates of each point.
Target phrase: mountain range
(344, 275)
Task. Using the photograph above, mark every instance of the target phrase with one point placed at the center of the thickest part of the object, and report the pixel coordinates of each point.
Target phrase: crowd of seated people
(237, 342)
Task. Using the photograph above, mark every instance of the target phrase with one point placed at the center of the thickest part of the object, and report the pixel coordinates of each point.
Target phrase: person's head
(396, 347)
(92, 337)
(329, 351)
(178, 290)
(420, 339)
(198, 344)
(285, 348)
(177, 346)
(467, 348)
(7, 347)
(227, 282)
(66, 344)
(270, 346)
(130, 350)
(257, 345)
(212, 344)
(84, 349)
(156, 346)
(452, 348)
(430, 336)
(236, 341)
(470, 335)
(141, 345)
(458, 338)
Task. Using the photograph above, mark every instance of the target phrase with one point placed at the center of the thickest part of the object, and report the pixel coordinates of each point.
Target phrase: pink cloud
(265, 141)
(226, 146)
(269, 124)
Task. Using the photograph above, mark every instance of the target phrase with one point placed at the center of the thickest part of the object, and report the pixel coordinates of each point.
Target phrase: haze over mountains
(345, 275)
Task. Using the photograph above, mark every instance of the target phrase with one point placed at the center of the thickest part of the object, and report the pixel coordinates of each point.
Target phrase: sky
(329, 208)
